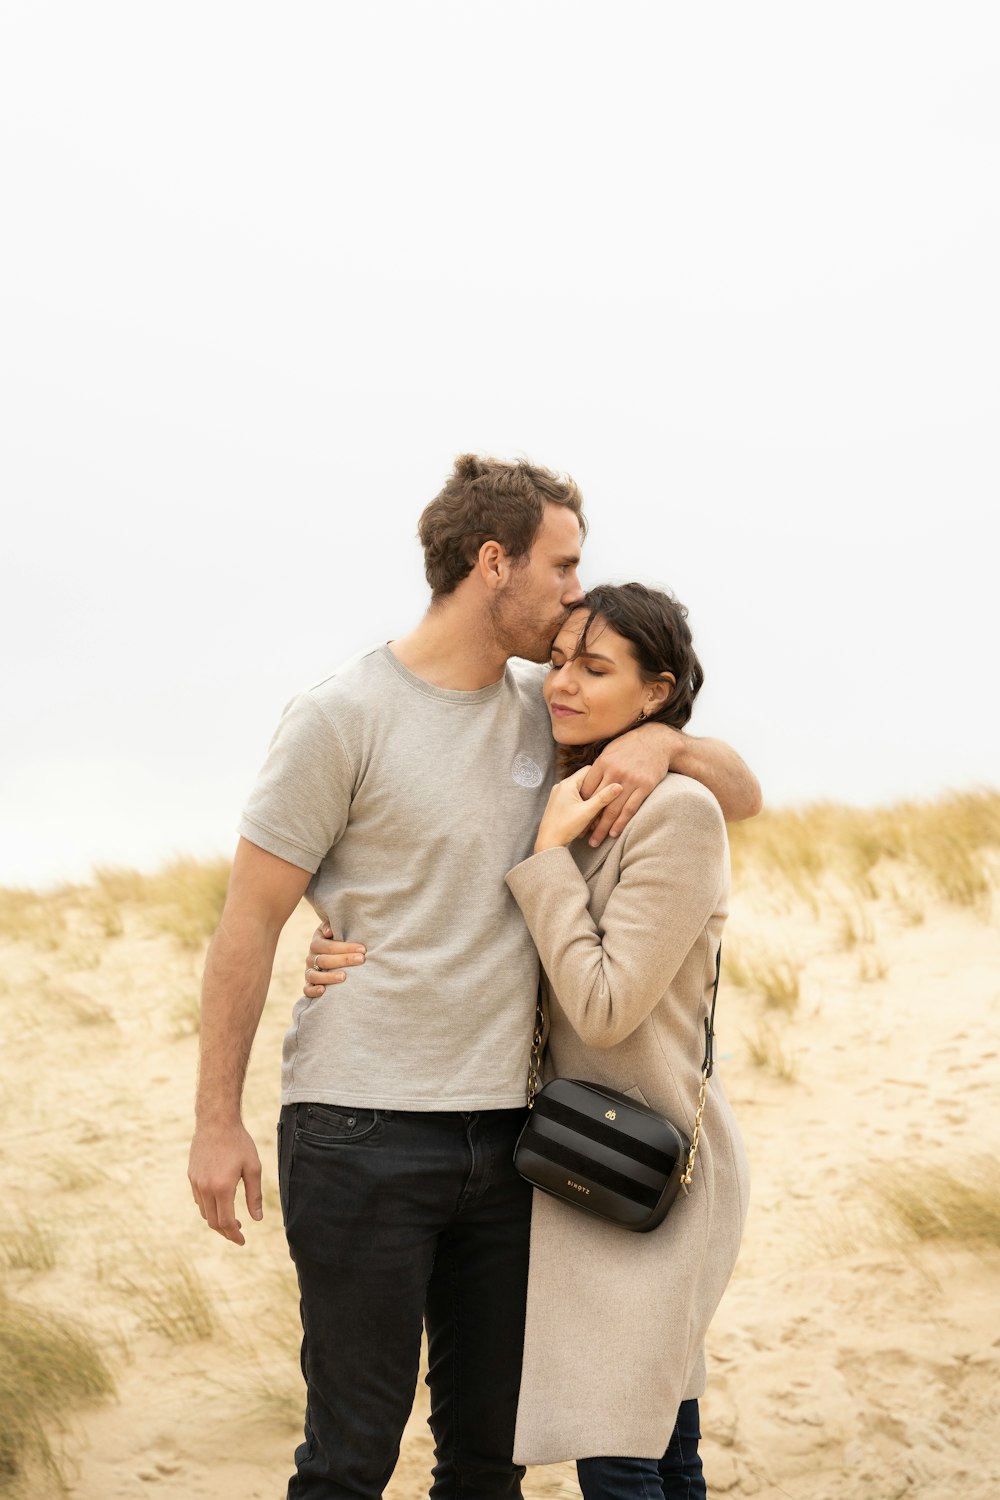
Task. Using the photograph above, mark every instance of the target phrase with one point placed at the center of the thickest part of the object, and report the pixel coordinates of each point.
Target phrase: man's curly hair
(488, 499)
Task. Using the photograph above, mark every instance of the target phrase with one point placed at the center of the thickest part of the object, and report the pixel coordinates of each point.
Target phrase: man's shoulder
(354, 678)
(529, 675)
(334, 707)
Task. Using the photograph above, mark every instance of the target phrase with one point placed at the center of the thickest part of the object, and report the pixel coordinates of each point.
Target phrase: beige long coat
(616, 1321)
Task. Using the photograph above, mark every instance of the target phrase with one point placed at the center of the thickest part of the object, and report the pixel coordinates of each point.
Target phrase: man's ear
(493, 564)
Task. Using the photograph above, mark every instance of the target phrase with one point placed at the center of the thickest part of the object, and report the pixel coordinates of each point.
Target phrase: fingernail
(258, 1213)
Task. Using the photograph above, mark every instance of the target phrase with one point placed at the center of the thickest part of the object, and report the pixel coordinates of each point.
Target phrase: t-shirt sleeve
(300, 803)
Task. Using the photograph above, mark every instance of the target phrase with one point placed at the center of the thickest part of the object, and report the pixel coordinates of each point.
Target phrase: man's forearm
(263, 892)
(237, 974)
(717, 766)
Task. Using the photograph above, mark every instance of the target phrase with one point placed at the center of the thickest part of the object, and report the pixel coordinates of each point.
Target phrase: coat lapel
(588, 860)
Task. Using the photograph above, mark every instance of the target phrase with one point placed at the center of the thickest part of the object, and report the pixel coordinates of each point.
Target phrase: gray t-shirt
(409, 803)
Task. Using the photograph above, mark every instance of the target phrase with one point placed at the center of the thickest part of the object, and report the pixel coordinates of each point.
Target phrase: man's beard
(518, 631)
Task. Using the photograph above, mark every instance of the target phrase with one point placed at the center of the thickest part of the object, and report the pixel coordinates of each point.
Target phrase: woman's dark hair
(655, 625)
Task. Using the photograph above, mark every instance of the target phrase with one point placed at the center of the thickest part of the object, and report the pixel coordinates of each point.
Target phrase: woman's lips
(558, 711)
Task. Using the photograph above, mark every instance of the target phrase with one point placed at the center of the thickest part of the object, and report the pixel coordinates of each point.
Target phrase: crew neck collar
(444, 695)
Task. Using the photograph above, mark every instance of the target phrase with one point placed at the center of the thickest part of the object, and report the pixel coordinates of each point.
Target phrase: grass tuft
(34, 916)
(173, 1300)
(185, 1015)
(774, 979)
(30, 1247)
(871, 965)
(854, 926)
(767, 1052)
(48, 1365)
(184, 899)
(935, 1204)
(74, 1175)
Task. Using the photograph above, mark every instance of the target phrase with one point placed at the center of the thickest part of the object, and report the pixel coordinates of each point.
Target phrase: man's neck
(452, 648)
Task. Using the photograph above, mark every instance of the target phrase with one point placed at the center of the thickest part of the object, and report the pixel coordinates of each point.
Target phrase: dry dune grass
(48, 1366)
(28, 1246)
(947, 842)
(767, 1049)
(958, 1205)
(774, 977)
(172, 1298)
(183, 900)
(858, 1021)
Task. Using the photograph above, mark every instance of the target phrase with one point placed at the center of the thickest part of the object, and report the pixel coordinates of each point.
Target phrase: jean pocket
(334, 1125)
(284, 1165)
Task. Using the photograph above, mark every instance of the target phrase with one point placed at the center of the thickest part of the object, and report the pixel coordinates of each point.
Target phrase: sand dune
(850, 1357)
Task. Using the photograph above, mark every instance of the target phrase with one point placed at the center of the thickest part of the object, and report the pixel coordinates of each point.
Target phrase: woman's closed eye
(555, 662)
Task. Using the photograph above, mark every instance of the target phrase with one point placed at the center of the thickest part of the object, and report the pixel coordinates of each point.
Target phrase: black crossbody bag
(603, 1151)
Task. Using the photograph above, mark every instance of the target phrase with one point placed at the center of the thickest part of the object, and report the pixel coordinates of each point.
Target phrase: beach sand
(849, 1357)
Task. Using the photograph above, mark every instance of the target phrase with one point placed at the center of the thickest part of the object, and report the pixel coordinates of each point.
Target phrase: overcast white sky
(266, 269)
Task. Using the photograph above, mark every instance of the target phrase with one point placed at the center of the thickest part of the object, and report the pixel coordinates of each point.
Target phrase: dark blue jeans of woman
(675, 1476)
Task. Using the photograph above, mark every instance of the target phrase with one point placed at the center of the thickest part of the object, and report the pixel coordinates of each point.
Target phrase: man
(398, 793)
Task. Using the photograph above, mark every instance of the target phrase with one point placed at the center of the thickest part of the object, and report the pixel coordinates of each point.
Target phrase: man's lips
(560, 711)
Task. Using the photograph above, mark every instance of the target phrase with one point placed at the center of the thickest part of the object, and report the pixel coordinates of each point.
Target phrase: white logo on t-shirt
(525, 771)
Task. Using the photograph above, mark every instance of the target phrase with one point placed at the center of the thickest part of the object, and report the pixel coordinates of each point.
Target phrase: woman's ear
(660, 692)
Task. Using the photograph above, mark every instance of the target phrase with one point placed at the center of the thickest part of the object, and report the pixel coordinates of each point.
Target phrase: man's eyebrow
(570, 560)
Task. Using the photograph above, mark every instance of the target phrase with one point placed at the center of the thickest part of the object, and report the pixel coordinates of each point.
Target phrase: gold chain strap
(686, 1175)
(535, 1065)
(707, 1068)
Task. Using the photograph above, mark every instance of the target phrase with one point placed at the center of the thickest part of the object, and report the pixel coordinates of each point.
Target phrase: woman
(628, 935)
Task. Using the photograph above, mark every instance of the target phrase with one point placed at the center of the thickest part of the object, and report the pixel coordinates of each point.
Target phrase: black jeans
(394, 1218)
(675, 1476)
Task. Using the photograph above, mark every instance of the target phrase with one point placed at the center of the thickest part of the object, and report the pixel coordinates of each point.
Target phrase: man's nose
(573, 592)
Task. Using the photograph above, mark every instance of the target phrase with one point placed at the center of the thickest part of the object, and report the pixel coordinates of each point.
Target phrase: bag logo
(610, 1114)
(578, 1185)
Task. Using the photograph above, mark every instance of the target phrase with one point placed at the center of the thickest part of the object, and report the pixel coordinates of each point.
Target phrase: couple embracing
(411, 797)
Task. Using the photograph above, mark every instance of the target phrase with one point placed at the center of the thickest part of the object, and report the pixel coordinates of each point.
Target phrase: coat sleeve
(609, 978)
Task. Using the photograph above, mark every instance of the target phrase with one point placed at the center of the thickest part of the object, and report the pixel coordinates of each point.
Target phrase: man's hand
(636, 761)
(221, 1157)
(567, 814)
(640, 759)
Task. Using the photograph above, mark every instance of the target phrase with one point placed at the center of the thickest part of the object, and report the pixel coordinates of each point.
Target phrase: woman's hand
(328, 959)
(568, 813)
